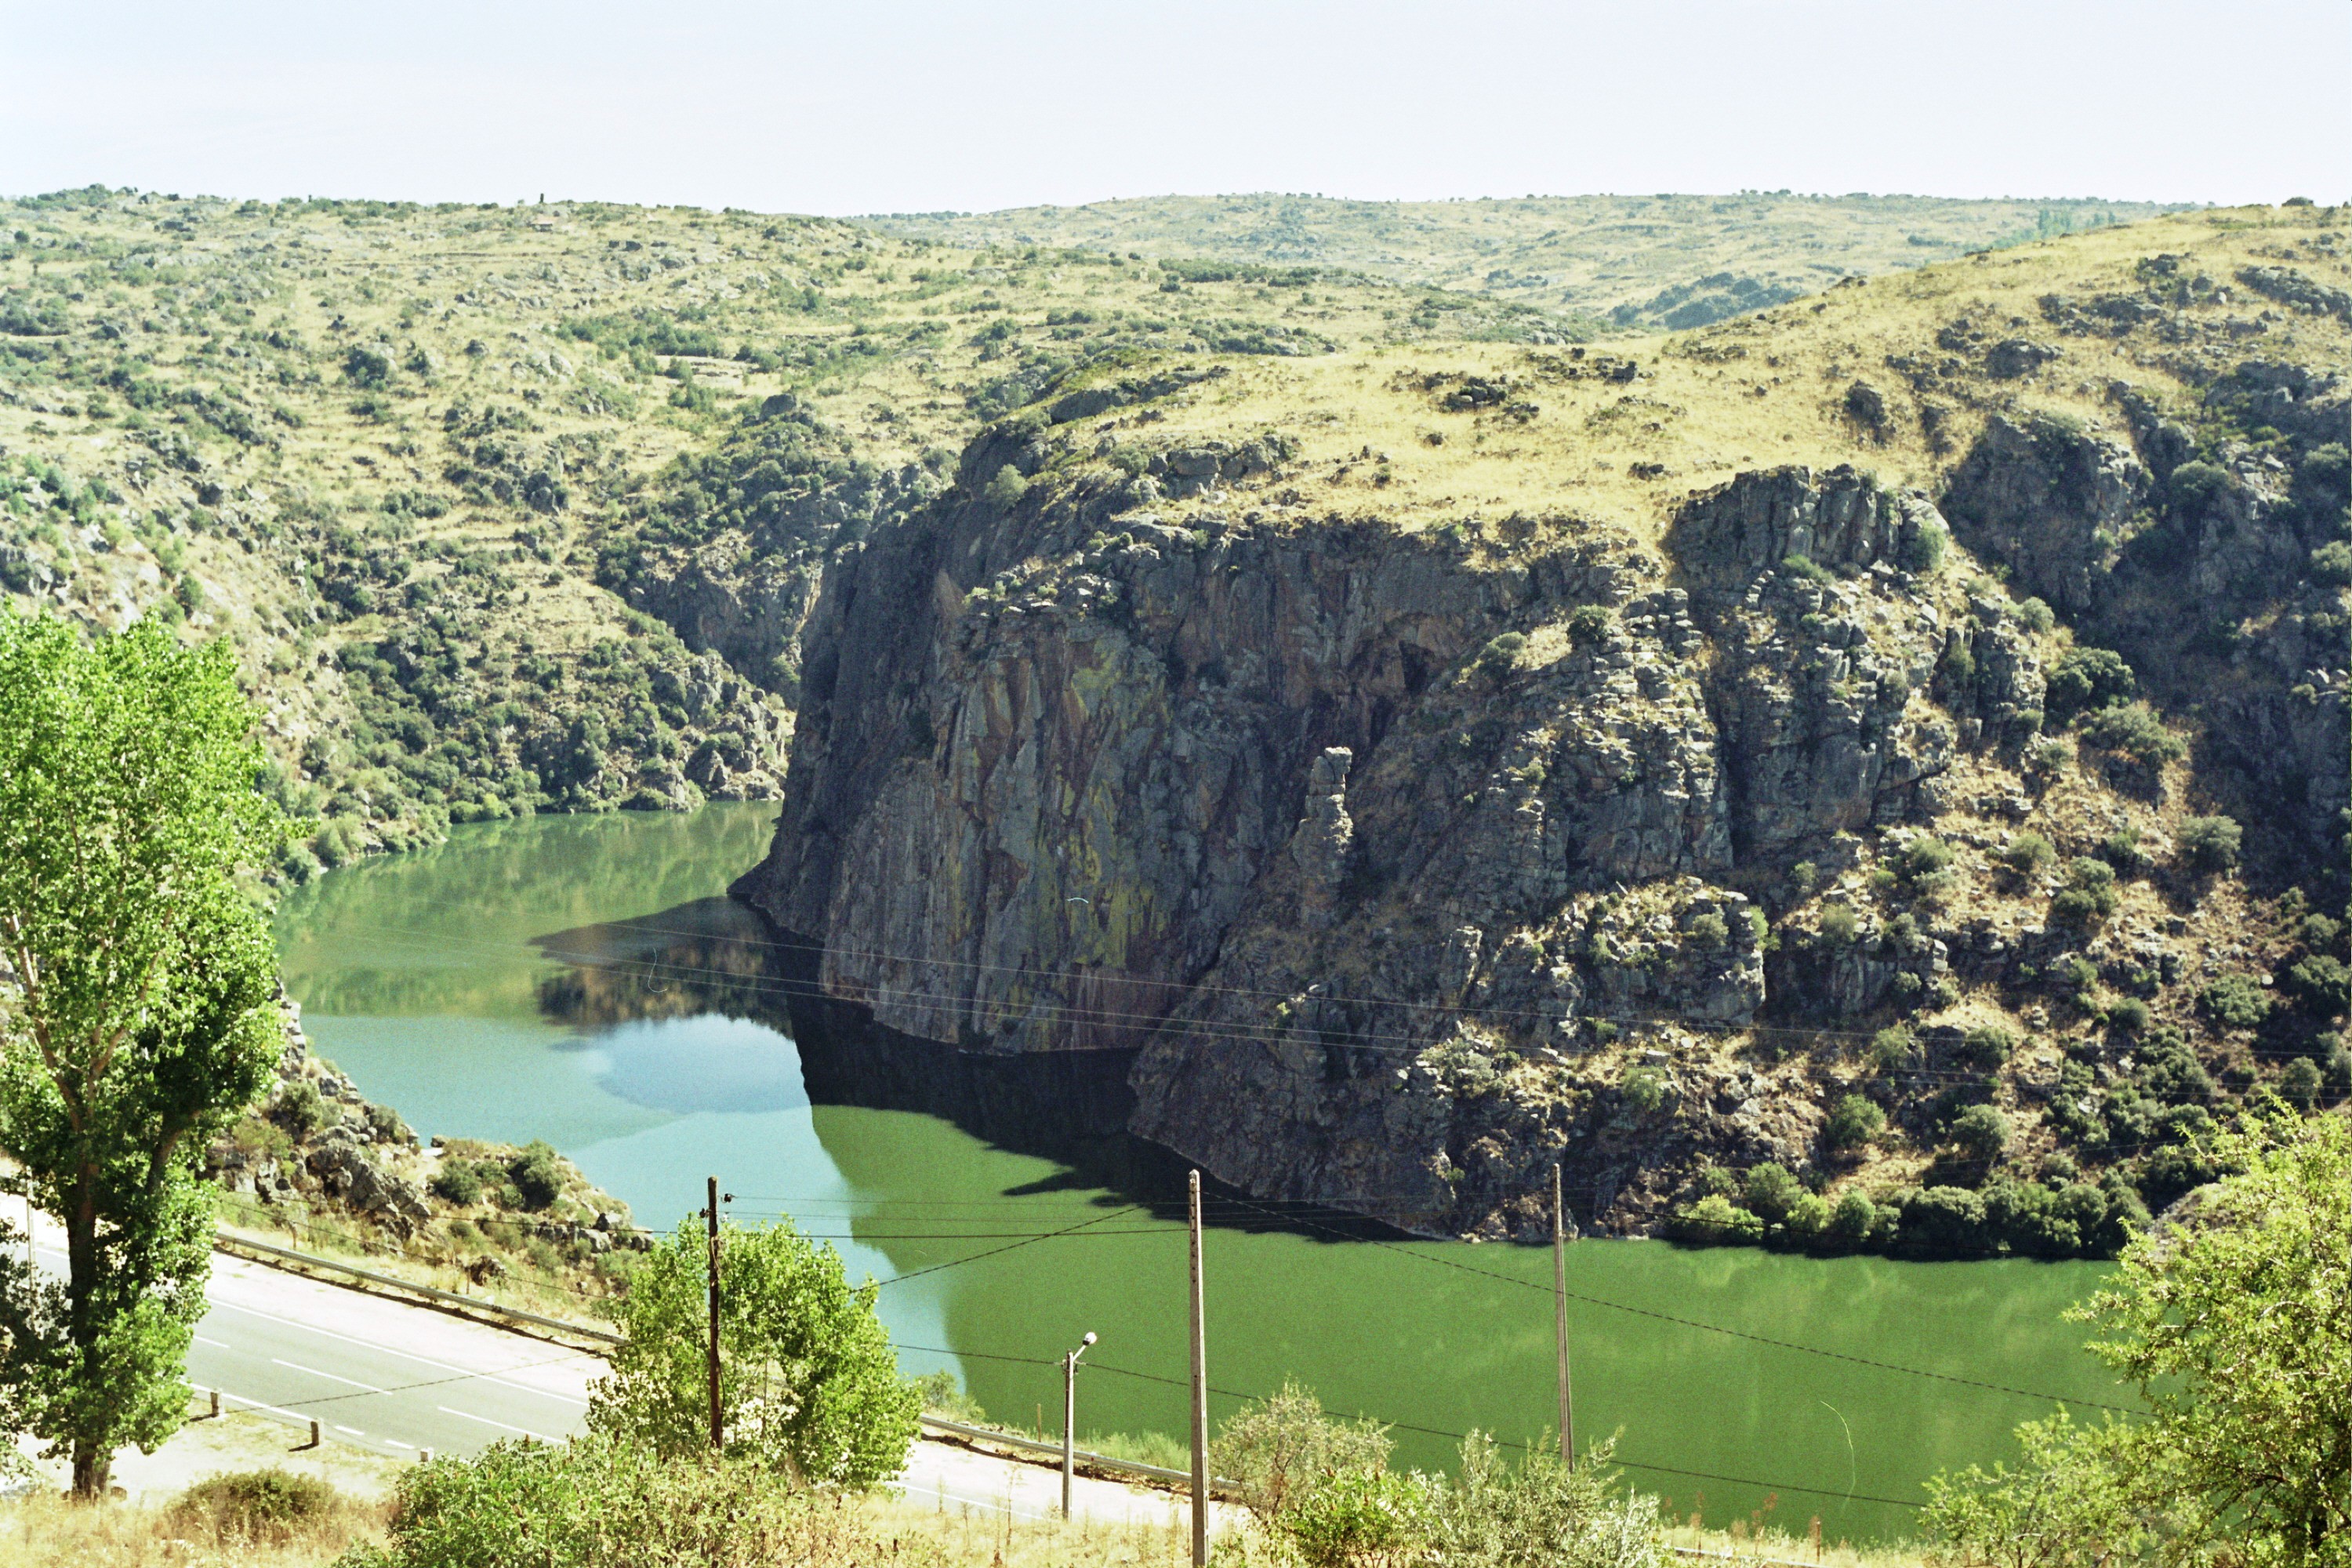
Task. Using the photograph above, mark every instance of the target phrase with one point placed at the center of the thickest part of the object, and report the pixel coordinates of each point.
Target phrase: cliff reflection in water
(626, 980)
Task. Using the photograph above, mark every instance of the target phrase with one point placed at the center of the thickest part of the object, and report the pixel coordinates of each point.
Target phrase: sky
(879, 107)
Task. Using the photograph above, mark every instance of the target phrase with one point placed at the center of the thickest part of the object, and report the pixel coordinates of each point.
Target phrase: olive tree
(136, 1011)
(808, 1383)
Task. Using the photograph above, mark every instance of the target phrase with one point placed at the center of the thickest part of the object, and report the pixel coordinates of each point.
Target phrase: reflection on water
(583, 980)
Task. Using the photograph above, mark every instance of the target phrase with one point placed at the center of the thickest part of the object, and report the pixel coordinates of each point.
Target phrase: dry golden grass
(1753, 392)
(46, 1531)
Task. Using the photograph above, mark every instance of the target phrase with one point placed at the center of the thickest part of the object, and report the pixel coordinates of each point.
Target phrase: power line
(1010, 1247)
(1188, 1031)
(1737, 1334)
(1427, 1431)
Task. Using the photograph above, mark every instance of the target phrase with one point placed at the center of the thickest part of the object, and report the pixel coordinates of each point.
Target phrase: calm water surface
(431, 979)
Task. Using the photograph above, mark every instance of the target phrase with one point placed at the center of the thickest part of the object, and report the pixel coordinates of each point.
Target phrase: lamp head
(1088, 1340)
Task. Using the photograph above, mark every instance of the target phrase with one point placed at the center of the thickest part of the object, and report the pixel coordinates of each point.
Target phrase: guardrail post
(316, 1439)
(215, 1403)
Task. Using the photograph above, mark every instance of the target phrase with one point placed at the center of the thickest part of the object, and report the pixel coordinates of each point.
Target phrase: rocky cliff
(1405, 855)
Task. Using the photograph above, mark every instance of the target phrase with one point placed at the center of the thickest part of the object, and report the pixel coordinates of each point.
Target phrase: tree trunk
(91, 1462)
(92, 1467)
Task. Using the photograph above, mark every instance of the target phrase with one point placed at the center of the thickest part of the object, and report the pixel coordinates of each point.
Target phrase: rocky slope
(1421, 770)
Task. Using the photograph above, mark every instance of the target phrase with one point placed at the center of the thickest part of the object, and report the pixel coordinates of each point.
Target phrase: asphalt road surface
(398, 1378)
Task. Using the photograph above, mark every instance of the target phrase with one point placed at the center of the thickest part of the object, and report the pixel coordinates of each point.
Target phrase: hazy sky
(868, 107)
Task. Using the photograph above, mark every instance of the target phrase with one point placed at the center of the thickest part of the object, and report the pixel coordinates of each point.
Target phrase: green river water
(419, 976)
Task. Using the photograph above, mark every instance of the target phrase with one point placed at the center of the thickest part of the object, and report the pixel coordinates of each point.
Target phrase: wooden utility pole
(1559, 1319)
(1200, 1398)
(717, 1423)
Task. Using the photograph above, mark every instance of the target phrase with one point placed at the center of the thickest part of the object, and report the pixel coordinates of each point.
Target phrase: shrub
(1943, 1219)
(2331, 563)
(1803, 566)
(2131, 1015)
(2088, 677)
(1981, 1132)
(2197, 484)
(1808, 1217)
(1588, 624)
(1006, 489)
(1839, 924)
(595, 1503)
(1276, 1446)
(1538, 1512)
(1892, 1048)
(2035, 615)
(2318, 932)
(1709, 932)
(2235, 1002)
(365, 366)
(2050, 755)
(2210, 843)
(1853, 1219)
(1495, 660)
(2321, 983)
(787, 1317)
(1645, 1092)
(255, 1507)
(1357, 1517)
(1924, 856)
(1853, 1121)
(1770, 1191)
(458, 1181)
(300, 1109)
(1985, 1048)
(1717, 1218)
(2089, 895)
(2121, 850)
(535, 1174)
(2133, 729)
(2300, 1084)
(1922, 548)
(2026, 853)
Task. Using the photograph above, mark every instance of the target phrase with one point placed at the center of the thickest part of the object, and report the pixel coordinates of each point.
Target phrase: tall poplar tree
(136, 1013)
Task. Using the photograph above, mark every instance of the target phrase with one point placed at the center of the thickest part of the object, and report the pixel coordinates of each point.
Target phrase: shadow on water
(717, 957)
(790, 1046)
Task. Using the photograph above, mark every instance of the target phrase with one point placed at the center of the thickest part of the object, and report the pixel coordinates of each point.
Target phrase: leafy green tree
(1770, 1191)
(2065, 1507)
(1981, 1132)
(2237, 1327)
(1853, 1122)
(808, 1384)
(138, 1020)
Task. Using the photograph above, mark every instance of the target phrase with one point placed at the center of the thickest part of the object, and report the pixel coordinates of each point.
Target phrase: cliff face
(1272, 808)
(1565, 784)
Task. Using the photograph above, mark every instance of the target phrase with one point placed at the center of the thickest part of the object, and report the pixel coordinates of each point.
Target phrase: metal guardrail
(977, 1434)
(1084, 1457)
(433, 1292)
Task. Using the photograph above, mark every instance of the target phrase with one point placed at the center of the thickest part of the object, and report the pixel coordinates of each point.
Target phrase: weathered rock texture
(1358, 887)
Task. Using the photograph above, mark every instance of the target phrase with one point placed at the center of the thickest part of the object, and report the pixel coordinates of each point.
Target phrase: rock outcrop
(1358, 842)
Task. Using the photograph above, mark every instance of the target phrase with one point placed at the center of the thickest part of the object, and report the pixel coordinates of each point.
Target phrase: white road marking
(488, 1422)
(273, 1409)
(215, 1344)
(329, 1376)
(396, 1443)
(411, 1355)
(352, 1430)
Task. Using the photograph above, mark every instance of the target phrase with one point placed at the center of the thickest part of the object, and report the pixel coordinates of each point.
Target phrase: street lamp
(1070, 1418)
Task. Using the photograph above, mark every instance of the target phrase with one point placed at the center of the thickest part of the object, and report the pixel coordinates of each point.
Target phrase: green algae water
(485, 989)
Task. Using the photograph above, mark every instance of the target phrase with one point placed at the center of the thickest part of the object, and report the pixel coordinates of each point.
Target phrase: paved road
(397, 1378)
